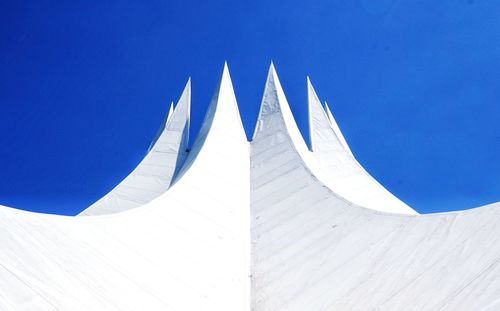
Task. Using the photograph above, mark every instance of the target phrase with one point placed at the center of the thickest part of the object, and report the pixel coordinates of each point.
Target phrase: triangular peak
(222, 113)
(170, 110)
(181, 116)
(226, 113)
(336, 129)
(163, 126)
(328, 112)
(321, 132)
(221, 127)
(154, 174)
(275, 105)
(335, 162)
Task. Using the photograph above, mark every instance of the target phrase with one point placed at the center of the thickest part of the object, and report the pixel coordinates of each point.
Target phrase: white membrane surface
(253, 226)
(154, 174)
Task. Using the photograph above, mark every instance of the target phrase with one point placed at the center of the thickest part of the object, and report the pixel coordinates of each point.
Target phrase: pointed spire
(320, 131)
(222, 123)
(328, 112)
(224, 101)
(170, 111)
(182, 116)
(336, 129)
(225, 81)
(315, 116)
(270, 101)
(223, 110)
(335, 162)
(180, 120)
(154, 175)
(274, 103)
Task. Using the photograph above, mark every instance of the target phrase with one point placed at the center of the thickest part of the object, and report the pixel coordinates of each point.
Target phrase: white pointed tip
(328, 111)
(170, 112)
(225, 71)
(311, 91)
(225, 80)
(272, 69)
(185, 99)
(272, 75)
(310, 87)
(187, 90)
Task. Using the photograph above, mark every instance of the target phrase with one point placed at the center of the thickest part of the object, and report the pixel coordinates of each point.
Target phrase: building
(260, 225)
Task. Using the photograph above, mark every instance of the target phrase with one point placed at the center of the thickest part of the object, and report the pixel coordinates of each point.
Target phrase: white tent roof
(249, 226)
(338, 169)
(154, 174)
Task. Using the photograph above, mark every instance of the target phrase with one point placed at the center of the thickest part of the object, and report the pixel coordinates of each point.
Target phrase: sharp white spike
(276, 116)
(335, 162)
(154, 174)
(163, 127)
(336, 129)
(195, 227)
(170, 111)
(222, 122)
(219, 166)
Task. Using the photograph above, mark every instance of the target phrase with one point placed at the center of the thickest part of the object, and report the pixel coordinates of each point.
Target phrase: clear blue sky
(414, 85)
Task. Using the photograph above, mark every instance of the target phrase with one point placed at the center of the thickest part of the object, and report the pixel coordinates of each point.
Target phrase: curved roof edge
(274, 100)
(337, 167)
(154, 174)
(222, 123)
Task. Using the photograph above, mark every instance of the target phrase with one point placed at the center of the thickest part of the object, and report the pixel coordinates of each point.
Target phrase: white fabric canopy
(154, 174)
(252, 226)
(338, 169)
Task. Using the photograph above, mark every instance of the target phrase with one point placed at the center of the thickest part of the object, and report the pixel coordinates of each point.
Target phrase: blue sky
(414, 85)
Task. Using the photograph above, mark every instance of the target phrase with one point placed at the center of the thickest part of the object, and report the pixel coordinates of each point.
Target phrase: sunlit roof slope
(261, 225)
